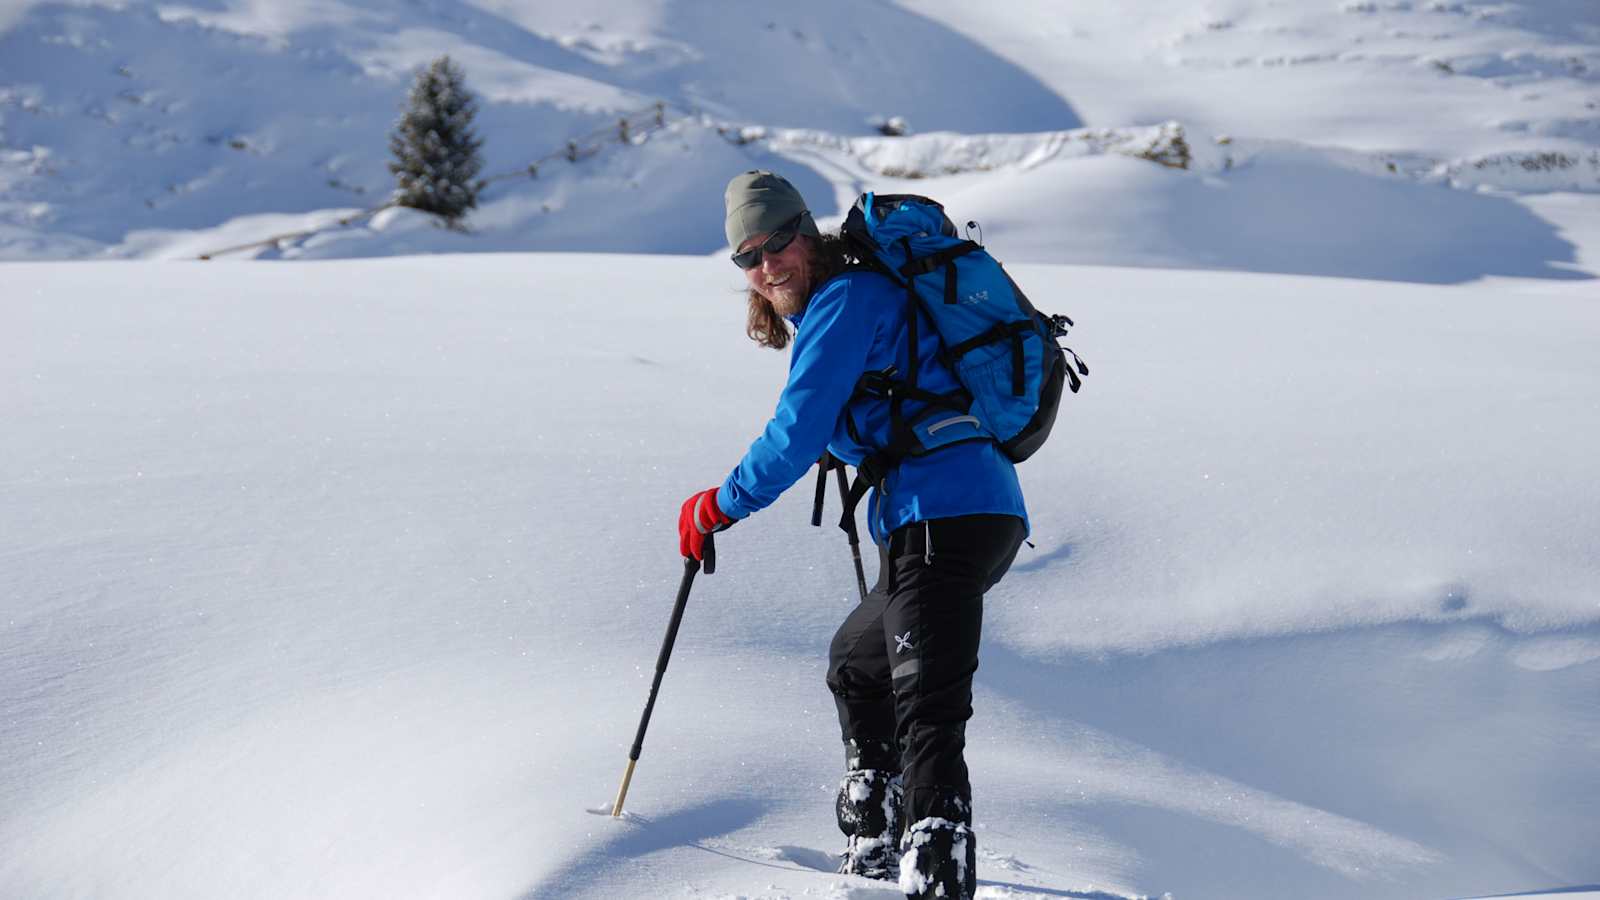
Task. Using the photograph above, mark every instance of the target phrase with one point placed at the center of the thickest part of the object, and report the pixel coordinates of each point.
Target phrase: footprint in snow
(820, 860)
(1002, 861)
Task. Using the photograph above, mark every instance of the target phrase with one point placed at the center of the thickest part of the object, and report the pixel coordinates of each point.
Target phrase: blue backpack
(1001, 350)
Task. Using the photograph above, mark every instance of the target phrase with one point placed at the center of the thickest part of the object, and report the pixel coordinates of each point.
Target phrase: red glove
(699, 517)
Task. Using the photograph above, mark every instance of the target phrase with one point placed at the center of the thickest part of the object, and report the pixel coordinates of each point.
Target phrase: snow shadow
(1580, 889)
(841, 64)
(1307, 218)
(1029, 560)
(1295, 211)
(1034, 890)
(818, 860)
(1291, 717)
(646, 835)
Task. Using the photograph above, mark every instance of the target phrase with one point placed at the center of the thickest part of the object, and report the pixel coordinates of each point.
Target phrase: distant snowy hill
(1323, 134)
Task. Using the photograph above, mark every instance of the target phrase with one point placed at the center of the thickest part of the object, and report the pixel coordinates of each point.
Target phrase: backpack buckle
(878, 383)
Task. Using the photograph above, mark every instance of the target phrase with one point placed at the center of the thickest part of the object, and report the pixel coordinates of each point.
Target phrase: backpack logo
(902, 643)
(979, 297)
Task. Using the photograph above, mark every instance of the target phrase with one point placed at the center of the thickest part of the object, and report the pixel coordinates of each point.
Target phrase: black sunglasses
(774, 243)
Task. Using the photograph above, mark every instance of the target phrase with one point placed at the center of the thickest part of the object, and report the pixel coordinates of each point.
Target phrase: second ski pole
(848, 524)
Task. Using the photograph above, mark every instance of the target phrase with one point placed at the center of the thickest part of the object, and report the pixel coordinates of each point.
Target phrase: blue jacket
(855, 324)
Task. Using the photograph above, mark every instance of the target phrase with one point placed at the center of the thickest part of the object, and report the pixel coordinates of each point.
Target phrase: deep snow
(346, 578)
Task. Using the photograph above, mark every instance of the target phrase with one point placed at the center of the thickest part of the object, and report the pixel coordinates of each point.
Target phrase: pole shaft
(855, 538)
(690, 567)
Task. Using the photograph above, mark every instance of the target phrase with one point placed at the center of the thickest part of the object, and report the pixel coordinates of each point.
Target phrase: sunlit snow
(344, 575)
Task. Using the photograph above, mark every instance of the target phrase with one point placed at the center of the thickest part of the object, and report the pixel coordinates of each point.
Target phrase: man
(947, 524)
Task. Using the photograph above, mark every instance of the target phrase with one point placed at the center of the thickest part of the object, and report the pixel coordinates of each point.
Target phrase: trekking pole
(849, 526)
(827, 462)
(690, 567)
(822, 489)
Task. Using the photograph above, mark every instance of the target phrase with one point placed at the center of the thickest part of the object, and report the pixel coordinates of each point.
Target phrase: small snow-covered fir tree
(435, 150)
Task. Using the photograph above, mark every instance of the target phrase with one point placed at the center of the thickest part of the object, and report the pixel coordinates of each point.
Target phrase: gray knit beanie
(759, 202)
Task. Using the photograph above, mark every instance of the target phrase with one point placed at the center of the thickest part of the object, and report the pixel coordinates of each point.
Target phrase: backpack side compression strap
(1012, 331)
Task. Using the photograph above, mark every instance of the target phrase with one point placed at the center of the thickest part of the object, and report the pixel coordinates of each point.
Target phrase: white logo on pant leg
(902, 642)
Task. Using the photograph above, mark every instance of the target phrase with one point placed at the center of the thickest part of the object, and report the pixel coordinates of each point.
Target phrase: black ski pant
(901, 666)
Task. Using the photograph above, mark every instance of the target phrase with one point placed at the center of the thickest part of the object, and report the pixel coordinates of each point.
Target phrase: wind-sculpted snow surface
(347, 579)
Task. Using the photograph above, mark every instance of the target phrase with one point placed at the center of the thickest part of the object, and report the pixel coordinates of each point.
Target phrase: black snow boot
(869, 807)
(938, 858)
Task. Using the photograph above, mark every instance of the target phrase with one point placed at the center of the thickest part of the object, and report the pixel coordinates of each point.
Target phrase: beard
(798, 263)
(789, 298)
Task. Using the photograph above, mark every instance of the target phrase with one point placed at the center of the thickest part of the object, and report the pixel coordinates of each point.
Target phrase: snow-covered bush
(436, 156)
(894, 126)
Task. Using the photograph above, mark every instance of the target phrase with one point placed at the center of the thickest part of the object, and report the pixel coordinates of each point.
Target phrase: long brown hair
(769, 329)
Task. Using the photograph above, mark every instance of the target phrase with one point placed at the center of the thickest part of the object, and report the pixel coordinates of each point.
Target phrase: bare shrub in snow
(1166, 146)
(894, 126)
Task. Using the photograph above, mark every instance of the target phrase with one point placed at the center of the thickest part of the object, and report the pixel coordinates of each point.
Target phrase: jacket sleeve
(829, 355)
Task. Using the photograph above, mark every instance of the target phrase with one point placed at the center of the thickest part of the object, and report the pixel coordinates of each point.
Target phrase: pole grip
(849, 525)
(848, 521)
(861, 574)
(822, 490)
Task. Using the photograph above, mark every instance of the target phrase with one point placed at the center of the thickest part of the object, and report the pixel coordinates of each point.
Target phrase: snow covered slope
(137, 129)
(346, 579)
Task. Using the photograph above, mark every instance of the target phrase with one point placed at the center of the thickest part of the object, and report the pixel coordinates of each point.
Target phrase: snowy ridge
(920, 161)
(1529, 172)
(942, 154)
(112, 145)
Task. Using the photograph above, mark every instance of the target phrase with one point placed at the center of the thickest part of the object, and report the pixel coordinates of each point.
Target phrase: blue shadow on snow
(644, 836)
